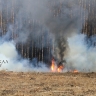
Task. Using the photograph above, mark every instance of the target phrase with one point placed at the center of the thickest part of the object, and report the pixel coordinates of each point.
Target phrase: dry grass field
(47, 84)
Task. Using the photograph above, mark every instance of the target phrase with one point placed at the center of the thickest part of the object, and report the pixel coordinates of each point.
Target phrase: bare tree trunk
(1, 21)
(13, 19)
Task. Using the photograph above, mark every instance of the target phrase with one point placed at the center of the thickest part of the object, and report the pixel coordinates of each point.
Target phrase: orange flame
(60, 68)
(53, 65)
(75, 71)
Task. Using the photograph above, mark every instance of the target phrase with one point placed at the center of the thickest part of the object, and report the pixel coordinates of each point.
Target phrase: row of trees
(30, 49)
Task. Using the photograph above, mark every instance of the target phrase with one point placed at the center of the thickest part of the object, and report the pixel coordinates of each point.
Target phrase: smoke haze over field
(15, 61)
(59, 22)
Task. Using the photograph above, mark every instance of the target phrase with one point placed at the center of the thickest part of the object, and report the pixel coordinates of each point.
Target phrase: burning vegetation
(55, 67)
(60, 67)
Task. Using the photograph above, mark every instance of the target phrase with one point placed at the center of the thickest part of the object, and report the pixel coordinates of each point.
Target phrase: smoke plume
(58, 24)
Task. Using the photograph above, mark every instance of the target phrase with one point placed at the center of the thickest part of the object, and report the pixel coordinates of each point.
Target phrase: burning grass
(55, 68)
(45, 84)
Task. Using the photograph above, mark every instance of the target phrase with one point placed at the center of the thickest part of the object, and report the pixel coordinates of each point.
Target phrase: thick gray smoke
(10, 60)
(80, 56)
(58, 21)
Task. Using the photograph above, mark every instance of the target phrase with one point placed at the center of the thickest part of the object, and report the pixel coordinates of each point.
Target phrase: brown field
(47, 84)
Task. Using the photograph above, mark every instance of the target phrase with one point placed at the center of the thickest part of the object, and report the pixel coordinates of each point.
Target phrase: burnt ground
(47, 84)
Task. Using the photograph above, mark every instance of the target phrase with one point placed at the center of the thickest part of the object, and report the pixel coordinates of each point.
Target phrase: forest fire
(60, 68)
(54, 67)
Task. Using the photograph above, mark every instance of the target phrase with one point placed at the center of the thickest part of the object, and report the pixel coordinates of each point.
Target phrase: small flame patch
(60, 68)
(54, 67)
(75, 71)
